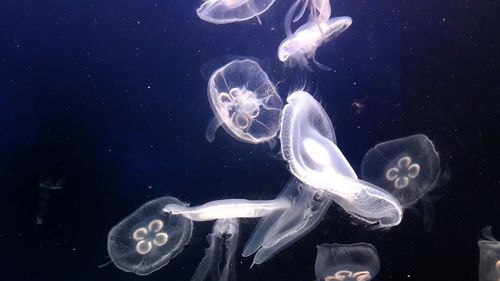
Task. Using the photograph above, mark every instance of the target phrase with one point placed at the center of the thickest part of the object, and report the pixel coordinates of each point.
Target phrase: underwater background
(109, 97)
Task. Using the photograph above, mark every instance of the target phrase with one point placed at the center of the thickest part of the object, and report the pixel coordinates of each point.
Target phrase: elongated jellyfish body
(489, 256)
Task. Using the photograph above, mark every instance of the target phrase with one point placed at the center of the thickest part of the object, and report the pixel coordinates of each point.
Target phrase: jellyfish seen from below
(228, 11)
(300, 46)
(278, 230)
(308, 145)
(244, 102)
(149, 238)
(223, 243)
(346, 262)
(409, 169)
(489, 256)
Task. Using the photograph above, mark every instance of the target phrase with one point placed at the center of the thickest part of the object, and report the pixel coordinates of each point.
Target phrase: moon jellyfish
(408, 168)
(244, 101)
(228, 11)
(281, 228)
(223, 239)
(346, 262)
(300, 46)
(228, 208)
(489, 256)
(149, 238)
(308, 145)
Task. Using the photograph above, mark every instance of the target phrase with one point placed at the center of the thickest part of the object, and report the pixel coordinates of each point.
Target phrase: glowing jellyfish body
(223, 239)
(300, 46)
(408, 168)
(278, 230)
(307, 144)
(148, 239)
(348, 262)
(228, 11)
(244, 101)
(489, 256)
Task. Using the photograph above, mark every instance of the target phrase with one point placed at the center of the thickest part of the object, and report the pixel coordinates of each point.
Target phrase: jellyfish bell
(229, 11)
(342, 262)
(244, 102)
(149, 238)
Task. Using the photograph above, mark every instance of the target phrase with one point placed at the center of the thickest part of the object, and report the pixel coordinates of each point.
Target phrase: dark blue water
(110, 97)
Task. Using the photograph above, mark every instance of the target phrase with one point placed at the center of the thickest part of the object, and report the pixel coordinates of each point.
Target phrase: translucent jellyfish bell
(149, 238)
(223, 239)
(489, 256)
(408, 168)
(228, 11)
(346, 262)
(244, 101)
(280, 229)
(307, 144)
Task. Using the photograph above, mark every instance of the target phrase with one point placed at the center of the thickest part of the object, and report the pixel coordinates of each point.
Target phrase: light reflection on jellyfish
(409, 169)
(148, 239)
(489, 256)
(308, 145)
(346, 262)
(244, 102)
(228, 11)
(280, 229)
(223, 242)
(300, 46)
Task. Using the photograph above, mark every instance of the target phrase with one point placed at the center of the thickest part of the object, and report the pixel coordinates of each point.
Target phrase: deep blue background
(109, 96)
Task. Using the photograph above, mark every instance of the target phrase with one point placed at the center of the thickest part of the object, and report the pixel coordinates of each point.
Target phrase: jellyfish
(223, 239)
(227, 208)
(280, 229)
(489, 256)
(308, 145)
(228, 11)
(244, 101)
(346, 262)
(149, 238)
(409, 169)
(300, 46)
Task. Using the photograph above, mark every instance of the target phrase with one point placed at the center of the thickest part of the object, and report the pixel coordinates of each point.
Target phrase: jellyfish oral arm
(229, 208)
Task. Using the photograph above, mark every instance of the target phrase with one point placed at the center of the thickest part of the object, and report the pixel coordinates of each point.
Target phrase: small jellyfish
(489, 256)
(308, 145)
(149, 238)
(228, 208)
(228, 11)
(408, 168)
(300, 46)
(223, 239)
(244, 101)
(280, 229)
(346, 262)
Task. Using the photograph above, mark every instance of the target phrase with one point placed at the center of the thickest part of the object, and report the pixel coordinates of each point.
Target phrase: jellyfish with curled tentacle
(409, 169)
(308, 145)
(346, 262)
(245, 102)
(280, 229)
(229, 11)
(149, 238)
(223, 239)
(489, 256)
(299, 47)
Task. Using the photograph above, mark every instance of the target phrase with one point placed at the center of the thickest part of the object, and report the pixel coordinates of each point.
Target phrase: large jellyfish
(244, 101)
(346, 262)
(228, 11)
(409, 169)
(222, 240)
(281, 228)
(308, 145)
(149, 238)
(300, 46)
(489, 256)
